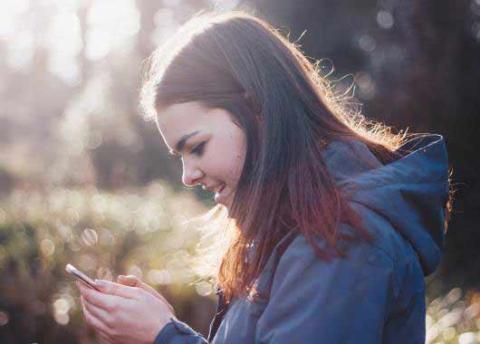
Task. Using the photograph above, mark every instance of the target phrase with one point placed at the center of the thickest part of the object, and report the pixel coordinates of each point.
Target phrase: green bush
(137, 231)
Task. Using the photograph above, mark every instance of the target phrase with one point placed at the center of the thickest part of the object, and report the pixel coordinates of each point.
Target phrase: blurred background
(84, 179)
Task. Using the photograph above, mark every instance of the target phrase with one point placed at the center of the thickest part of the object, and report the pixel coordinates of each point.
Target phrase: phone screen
(81, 276)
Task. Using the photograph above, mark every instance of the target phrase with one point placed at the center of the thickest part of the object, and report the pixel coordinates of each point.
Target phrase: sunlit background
(84, 179)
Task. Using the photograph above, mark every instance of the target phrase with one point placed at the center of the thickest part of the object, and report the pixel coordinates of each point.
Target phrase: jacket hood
(410, 192)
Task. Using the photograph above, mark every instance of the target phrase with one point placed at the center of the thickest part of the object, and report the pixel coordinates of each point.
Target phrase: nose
(192, 174)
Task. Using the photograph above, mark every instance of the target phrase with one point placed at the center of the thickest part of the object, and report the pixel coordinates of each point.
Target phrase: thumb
(113, 288)
(130, 280)
(134, 281)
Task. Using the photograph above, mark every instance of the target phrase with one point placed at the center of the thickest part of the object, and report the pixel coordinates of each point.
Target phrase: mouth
(219, 194)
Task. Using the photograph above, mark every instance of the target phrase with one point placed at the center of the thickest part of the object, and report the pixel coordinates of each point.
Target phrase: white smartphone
(81, 276)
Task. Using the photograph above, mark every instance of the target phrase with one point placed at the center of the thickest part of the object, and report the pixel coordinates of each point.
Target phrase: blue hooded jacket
(374, 295)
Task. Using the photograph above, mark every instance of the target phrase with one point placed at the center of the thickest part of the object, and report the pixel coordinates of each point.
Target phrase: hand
(124, 314)
(134, 281)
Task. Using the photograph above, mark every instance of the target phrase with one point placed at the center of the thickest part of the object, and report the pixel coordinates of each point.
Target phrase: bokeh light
(84, 180)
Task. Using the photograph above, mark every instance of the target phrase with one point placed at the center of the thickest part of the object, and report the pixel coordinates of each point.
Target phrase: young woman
(337, 222)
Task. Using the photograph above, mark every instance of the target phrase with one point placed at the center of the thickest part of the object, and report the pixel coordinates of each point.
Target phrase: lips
(219, 195)
(216, 188)
(220, 188)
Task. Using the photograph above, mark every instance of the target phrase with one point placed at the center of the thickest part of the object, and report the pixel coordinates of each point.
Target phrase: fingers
(100, 330)
(104, 339)
(99, 299)
(133, 280)
(112, 288)
(92, 319)
(98, 318)
(129, 280)
(148, 288)
(98, 313)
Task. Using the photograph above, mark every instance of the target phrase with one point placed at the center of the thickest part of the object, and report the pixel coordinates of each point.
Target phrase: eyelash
(198, 150)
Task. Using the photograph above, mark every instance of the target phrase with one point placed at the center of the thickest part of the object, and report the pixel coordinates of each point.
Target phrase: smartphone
(81, 276)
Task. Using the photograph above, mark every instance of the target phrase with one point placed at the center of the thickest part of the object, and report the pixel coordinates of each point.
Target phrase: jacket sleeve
(344, 300)
(177, 332)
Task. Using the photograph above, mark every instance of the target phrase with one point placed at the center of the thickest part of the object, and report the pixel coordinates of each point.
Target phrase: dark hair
(288, 113)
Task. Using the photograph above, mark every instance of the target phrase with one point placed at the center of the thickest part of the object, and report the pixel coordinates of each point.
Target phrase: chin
(226, 200)
(227, 203)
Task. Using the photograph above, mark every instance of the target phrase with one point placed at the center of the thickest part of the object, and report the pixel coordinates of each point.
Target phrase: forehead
(182, 119)
(176, 119)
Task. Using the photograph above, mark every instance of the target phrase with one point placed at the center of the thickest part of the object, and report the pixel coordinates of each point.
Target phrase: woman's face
(211, 146)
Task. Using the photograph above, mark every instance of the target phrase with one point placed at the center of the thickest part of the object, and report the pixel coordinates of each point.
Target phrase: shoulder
(366, 266)
(301, 253)
(363, 281)
(300, 262)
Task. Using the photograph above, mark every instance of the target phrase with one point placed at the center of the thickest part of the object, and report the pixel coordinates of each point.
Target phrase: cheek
(228, 161)
(228, 168)
(238, 157)
(238, 162)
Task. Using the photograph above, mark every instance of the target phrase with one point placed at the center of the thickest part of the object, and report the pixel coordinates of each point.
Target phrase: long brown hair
(288, 112)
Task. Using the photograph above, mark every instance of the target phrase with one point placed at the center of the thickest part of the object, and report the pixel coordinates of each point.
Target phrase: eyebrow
(181, 143)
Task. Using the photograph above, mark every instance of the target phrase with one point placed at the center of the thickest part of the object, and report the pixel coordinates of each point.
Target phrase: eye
(198, 150)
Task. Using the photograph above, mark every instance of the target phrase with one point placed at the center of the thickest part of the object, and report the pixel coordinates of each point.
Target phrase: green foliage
(141, 232)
